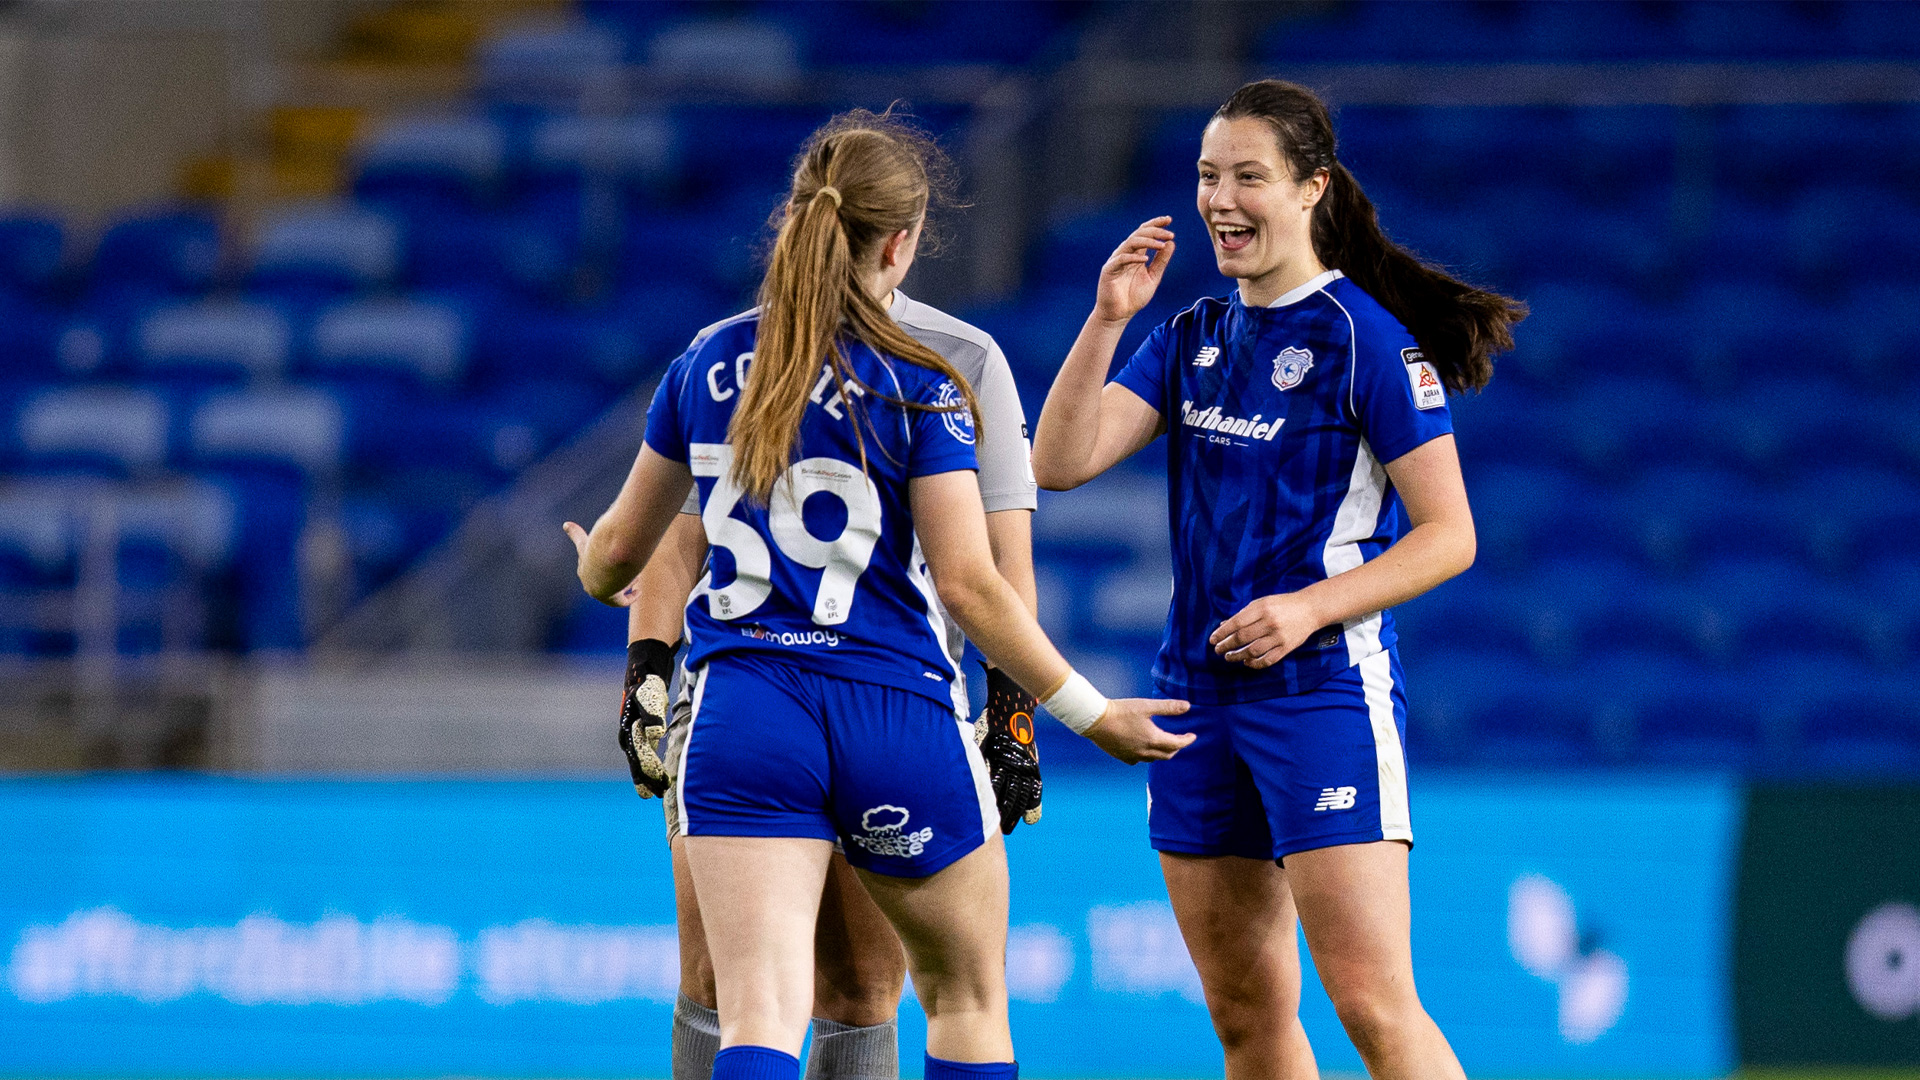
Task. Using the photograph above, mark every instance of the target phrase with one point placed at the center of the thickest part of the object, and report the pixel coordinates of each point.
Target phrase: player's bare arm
(1085, 429)
(953, 533)
(612, 555)
(1439, 545)
(658, 607)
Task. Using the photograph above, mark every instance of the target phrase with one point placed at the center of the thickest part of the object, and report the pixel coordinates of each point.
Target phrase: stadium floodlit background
(317, 318)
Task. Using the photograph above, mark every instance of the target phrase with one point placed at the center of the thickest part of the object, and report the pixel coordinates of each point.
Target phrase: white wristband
(1077, 704)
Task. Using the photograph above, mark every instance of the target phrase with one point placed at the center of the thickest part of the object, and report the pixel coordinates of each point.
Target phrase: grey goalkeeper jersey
(1006, 457)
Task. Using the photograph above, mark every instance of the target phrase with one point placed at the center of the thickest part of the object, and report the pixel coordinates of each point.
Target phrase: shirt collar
(1305, 289)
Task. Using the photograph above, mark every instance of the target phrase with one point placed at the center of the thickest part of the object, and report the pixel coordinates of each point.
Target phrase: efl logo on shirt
(1208, 356)
(1428, 393)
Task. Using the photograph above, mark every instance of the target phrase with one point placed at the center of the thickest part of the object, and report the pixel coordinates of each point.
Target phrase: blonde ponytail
(863, 178)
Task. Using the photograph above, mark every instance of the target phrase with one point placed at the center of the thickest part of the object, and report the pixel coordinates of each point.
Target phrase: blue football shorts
(1265, 779)
(775, 750)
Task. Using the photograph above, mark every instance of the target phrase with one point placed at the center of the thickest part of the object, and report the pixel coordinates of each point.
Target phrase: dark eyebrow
(1204, 163)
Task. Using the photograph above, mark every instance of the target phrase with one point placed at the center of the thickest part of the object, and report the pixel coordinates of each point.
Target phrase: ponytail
(861, 179)
(1460, 327)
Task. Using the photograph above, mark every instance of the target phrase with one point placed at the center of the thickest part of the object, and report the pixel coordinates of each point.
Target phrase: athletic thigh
(953, 923)
(1238, 919)
(858, 962)
(759, 897)
(1354, 907)
(1330, 764)
(696, 966)
(910, 793)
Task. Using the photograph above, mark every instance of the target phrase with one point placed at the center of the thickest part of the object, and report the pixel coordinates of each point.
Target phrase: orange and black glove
(1005, 734)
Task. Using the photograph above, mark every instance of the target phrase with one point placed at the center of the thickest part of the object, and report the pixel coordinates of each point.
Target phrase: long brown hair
(1460, 327)
(861, 179)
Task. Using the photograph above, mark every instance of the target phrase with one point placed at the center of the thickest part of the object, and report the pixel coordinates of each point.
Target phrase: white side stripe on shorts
(699, 678)
(1376, 682)
(982, 783)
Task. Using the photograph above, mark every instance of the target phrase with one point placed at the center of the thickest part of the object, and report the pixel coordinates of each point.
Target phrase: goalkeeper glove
(643, 714)
(1005, 735)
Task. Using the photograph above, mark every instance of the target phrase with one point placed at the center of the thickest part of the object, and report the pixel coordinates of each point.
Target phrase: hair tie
(830, 192)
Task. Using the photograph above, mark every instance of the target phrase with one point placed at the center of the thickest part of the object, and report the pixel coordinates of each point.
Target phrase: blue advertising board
(1563, 926)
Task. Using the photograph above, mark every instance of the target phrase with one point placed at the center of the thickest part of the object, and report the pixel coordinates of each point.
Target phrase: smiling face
(1258, 215)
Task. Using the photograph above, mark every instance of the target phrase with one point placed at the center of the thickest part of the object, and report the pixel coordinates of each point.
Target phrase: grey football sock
(841, 1052)
(696, 1039)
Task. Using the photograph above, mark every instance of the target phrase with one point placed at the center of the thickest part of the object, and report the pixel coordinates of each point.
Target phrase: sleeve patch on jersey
(1427, 391)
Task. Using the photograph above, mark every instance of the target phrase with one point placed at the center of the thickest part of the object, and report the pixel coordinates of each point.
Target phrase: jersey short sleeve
(943, 441)
(1006, 457)
(1398, 399)
(665, 431)
(1145, 373)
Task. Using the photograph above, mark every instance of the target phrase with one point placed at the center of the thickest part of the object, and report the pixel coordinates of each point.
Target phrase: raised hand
(1134, 270)
(1127, 730)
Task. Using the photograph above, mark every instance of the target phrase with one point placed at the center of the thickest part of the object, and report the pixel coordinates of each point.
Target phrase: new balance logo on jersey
(1335, 798)
(1208, 356)
(1211, 419)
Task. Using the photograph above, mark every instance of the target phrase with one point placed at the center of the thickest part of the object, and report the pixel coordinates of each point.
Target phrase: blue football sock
(755, 1063)
(940, 1069)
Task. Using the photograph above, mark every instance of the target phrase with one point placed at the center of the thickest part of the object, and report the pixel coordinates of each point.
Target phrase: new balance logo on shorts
(1335, 798)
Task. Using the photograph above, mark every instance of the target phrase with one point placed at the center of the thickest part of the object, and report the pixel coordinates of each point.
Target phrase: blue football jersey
(1279, 420)
(829, 574)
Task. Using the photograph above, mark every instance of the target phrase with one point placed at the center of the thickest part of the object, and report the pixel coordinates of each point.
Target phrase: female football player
(832, 450)
(859, 967)
(1312, 484)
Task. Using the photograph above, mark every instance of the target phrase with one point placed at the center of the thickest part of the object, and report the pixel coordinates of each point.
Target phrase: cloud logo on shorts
(885, 827)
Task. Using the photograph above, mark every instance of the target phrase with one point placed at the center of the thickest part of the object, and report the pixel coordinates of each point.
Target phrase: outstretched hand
(1134, 270)
(1127, 730)
(625, 597)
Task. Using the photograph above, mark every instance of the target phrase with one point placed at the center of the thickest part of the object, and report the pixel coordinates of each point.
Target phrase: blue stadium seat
(113, 430)
(1582, 605)
(32, 252)
(1118, 516)
(409, 340)
(325, 250)
(221, 338)
(1871, 732)
(550, 63)
(302, 428)
(1776, 605)
(36, 535)
(641, 150)
(1763, 29)
(30, 330)
(163, 251)
(521, 342)
(842, 33)
(1845, 232)
(590, 627)
(750, 53)
(1714, 724)
(420, 164)
(1448, 688)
